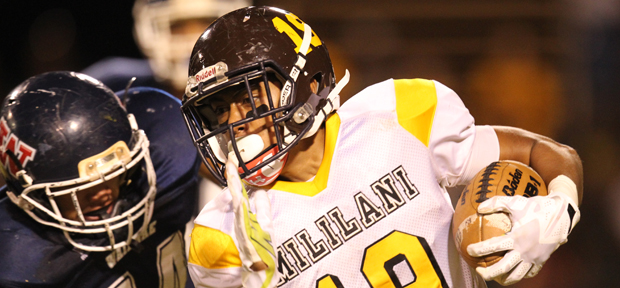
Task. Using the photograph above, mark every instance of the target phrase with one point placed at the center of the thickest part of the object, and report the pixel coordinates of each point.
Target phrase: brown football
(502, 178)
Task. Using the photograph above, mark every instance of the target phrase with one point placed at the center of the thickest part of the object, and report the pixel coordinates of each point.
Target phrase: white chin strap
(333, 99)
(333, 103)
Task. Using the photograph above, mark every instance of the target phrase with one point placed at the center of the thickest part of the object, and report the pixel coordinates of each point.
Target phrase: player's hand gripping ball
(502, 178)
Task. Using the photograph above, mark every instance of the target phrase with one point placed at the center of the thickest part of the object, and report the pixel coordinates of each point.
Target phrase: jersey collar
(319, 183)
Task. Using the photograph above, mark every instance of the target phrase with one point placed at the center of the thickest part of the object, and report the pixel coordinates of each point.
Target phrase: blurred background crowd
(549, 66)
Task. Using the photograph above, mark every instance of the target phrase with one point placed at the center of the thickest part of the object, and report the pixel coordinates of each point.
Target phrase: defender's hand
(539, 226)
(253, 233)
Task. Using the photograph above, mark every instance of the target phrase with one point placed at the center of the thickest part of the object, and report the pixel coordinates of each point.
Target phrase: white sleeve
(458, 148)
(484, 151)
(217, 215)
(214, 278)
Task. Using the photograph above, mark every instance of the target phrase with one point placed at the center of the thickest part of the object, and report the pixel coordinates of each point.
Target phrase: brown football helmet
(240, 49)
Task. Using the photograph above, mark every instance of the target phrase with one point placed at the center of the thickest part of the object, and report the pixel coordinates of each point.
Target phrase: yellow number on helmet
(283, 27)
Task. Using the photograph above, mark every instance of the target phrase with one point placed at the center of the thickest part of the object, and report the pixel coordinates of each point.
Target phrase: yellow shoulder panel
(214, 249)
(416, 101)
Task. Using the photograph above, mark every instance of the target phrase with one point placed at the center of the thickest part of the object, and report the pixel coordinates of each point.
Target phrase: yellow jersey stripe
(312, 188)
(213, 249)
(416, 102)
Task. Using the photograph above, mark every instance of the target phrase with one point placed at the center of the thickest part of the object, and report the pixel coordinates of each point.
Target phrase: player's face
(95, 199)
(232, 105)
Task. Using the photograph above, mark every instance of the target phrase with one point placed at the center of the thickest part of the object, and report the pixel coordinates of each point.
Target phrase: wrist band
(565, 185)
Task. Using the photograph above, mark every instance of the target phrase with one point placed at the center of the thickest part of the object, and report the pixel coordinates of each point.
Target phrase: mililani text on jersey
(369, 214)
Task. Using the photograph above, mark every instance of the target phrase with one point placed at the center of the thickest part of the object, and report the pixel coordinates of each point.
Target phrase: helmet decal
(217, 70)
(284, 27)
(22, 151)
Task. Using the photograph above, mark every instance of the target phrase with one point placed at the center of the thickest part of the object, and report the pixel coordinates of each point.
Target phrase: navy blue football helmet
(63, 133)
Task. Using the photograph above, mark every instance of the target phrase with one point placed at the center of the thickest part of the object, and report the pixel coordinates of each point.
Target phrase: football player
(98, 185)
(165, 31)
(325, 196)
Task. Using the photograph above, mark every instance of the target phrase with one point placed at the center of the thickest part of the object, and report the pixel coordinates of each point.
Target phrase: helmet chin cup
(268, 173)
(249, 146)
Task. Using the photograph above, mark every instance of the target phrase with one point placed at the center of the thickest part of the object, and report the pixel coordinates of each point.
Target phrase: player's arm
(548, 157)
(253, 232)
(539, 224)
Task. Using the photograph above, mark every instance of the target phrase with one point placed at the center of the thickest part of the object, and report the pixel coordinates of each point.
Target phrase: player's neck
(305, 159)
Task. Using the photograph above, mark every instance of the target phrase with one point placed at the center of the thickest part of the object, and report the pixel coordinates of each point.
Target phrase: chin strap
(333, 103)
(298, 67)
(304, 112)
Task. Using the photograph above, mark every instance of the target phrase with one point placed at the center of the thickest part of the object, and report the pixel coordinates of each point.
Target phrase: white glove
(254, 239)
(539, 226)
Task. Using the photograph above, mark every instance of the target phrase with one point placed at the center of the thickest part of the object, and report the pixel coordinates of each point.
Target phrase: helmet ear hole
(316, 81)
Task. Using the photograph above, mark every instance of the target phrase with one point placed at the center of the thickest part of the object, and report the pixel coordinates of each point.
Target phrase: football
(501, 178)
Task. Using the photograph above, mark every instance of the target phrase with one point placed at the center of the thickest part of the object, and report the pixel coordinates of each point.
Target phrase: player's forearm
(548, 157)
(553, 159)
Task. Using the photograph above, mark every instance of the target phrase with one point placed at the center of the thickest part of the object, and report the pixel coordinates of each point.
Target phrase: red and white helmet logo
(22, 151)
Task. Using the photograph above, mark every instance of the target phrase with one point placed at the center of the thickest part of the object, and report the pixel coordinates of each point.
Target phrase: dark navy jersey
(34, 255)
(115, 72)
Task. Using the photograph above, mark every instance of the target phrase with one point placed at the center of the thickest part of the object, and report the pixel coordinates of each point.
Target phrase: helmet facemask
(114, 226)
(219, 139)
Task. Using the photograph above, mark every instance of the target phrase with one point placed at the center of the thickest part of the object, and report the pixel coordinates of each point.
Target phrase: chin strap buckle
(24, 179)
(332, 104)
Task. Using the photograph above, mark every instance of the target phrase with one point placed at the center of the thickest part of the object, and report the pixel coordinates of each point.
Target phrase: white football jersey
(377, 213)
